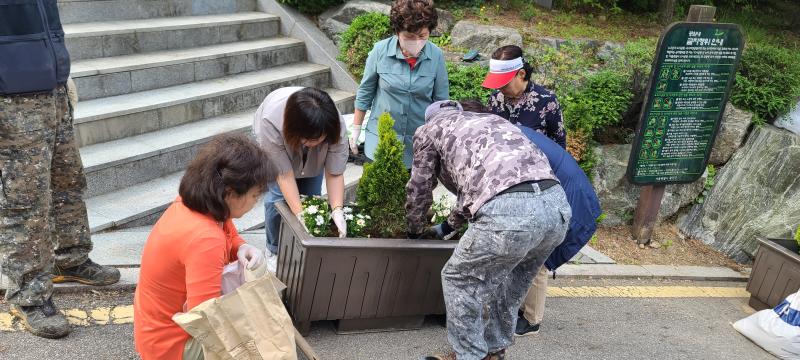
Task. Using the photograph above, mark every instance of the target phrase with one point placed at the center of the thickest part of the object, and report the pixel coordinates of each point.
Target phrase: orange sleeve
(236, 240)
(204, 259)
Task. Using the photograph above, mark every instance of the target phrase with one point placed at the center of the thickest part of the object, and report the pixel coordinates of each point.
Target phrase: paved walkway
(585, 319)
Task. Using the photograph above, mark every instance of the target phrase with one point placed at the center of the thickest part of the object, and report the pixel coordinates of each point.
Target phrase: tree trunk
(666, 10)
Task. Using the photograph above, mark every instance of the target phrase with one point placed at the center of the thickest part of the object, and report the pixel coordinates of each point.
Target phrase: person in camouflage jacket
(517, 214)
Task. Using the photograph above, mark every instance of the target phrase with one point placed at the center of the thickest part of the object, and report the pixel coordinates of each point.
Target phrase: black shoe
(42, 320)
(524, 328)
(87, 273)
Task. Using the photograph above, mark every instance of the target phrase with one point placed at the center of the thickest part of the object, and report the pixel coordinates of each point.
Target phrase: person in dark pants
(44, 228)
(585, 211)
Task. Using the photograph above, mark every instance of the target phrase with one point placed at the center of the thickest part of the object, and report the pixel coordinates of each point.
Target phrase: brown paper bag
(248, 323)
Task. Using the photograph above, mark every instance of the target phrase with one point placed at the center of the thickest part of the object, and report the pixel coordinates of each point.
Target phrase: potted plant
(364, 283)
(776, 272)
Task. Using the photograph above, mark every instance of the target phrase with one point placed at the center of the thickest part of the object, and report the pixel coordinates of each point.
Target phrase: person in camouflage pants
(44, 229)
(517, 212)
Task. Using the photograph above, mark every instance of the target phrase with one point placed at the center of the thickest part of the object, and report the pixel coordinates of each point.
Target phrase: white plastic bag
(234, 275)
(791, 120)
(775, 330)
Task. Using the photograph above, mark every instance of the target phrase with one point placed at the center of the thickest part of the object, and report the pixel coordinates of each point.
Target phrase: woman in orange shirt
(194, 239)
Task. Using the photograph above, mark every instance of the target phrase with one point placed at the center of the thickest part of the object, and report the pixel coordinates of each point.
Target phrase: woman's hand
(358, 119)
(250, 257)
(354, 139)
(338, 219)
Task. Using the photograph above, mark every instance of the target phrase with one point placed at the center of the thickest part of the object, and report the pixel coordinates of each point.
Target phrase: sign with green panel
(692, 76)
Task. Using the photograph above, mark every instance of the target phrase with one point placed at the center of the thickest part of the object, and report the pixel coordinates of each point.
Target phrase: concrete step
(118, 75)
(77, 11)
(125, 37)
(142, 204)
(126, 162)
(121, 116)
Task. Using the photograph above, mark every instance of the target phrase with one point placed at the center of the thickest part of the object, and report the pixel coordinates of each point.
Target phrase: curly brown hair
(413, 16)
(228, 163)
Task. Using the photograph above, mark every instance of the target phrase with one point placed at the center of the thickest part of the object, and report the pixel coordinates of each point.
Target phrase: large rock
(732, 133)
(618, 197)
(484, 38)
(446, 21)
(757, 193)
(336, 20)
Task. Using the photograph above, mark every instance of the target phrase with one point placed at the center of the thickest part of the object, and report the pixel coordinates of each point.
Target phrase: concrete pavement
(585, 319)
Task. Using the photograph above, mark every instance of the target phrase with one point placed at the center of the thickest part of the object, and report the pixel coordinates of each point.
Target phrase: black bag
(33, 56)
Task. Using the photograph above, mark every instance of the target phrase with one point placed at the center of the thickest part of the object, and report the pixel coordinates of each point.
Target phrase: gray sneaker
(87, 273)
(43, 320)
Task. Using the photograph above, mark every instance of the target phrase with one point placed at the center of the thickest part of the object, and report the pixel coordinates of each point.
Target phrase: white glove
(354, 139)
(249, 256)
(302, 221)
(341, 224)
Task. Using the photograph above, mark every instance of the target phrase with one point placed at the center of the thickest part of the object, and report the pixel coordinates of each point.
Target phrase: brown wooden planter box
(365, 284)
(775, 274)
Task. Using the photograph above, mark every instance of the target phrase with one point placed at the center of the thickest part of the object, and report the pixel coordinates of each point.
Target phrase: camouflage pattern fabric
(43, 218)
(475, 156)
(485, 280)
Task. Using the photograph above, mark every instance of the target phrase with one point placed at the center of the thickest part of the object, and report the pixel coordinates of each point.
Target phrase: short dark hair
(509, 52)
(309, 114)
(230, 162)
(413, 16)
(475, 106)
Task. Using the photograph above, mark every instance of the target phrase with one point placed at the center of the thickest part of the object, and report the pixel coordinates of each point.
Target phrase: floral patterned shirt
(537, 109)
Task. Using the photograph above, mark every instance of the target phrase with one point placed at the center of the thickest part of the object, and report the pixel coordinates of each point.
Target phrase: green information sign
(689, 86)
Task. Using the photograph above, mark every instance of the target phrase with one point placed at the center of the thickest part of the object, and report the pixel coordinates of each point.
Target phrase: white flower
(348, 210)
(320, 220)
(313, 209)
(361, 222)
(349, 217)
(368, 217)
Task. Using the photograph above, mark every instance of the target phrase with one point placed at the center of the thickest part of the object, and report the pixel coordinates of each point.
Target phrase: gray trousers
(487, 277)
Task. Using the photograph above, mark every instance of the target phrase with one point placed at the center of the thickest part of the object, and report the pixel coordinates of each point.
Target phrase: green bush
(635, 60)
(382, 188)
(562, 69)
(529, 12)
(768, 81)
(311, 6)
(359, 38)
(599, 102)
(465, 82)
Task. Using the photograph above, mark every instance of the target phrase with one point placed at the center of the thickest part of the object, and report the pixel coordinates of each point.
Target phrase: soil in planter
(617, 243)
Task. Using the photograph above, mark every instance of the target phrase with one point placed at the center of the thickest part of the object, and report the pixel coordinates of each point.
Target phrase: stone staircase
(157, 79)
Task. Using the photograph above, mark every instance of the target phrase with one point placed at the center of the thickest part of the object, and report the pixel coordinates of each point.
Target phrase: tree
(666, 11)
(382, 188)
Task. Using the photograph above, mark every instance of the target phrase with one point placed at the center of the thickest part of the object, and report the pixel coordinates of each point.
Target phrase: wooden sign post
(692, 74)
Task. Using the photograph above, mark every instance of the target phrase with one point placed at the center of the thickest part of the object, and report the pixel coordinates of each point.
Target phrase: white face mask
(412, 47)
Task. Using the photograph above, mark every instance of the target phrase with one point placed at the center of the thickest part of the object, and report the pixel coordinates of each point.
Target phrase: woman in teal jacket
(403, 75)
